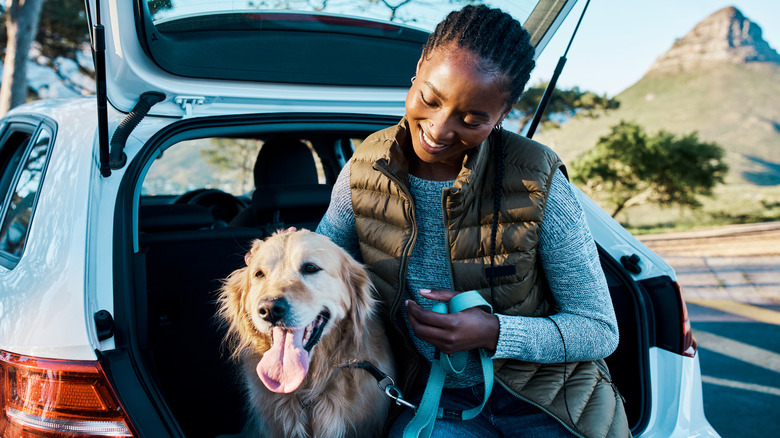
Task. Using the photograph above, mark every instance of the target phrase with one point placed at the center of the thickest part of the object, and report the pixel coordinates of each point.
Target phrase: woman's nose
(441, 128)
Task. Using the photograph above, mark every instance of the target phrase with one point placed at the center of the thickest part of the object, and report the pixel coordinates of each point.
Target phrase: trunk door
(229, 57)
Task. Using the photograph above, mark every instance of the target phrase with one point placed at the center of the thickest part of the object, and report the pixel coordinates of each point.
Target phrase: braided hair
(504, 48)
(493, 35)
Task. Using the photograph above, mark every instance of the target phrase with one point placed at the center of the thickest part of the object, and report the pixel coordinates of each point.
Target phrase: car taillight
(688, 342)
(57, 398)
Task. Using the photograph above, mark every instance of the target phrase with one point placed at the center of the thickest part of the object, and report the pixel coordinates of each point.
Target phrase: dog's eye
(310, 268)
(259, 274)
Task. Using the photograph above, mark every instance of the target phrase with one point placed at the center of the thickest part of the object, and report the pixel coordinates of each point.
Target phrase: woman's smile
(429, 143)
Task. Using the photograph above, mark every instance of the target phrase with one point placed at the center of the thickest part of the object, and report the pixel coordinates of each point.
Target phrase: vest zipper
(409, 244)
(407, 249)
(555, 417)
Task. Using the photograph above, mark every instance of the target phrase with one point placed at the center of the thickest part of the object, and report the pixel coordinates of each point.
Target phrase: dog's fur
(313, 275)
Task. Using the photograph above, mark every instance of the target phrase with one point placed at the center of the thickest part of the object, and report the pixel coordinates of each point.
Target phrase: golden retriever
(299, 309)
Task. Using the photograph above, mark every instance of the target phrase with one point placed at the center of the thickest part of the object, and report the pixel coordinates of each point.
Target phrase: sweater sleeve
(585, 328)
(338, 223)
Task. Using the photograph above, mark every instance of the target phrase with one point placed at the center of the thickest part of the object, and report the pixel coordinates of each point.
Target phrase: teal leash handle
(421, 425)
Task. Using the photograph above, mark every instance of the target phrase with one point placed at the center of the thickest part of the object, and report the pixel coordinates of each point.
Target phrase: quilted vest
(385, 225)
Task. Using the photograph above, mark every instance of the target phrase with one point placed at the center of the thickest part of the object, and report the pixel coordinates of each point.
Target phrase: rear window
(421, 15)
(329, 42)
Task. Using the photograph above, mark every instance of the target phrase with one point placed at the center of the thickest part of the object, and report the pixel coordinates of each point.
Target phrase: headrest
(285, 161)
(174, 217)
(293, 196)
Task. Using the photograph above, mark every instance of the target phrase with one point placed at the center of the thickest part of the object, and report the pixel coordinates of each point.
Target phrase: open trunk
(182, 246)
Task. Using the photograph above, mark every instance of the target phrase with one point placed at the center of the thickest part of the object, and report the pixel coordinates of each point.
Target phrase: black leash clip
(384, 381)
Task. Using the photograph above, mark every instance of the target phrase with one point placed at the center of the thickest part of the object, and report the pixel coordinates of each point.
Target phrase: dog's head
(297, 288)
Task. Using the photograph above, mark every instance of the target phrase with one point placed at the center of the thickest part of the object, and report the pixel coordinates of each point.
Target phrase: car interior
(189, 242)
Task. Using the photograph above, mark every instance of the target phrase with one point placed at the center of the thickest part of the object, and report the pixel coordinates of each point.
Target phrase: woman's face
(451, 107)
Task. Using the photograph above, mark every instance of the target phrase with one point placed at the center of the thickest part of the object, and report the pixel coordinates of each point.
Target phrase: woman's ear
(503, 116)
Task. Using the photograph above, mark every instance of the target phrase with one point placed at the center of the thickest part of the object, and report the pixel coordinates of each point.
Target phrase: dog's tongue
(284, 366)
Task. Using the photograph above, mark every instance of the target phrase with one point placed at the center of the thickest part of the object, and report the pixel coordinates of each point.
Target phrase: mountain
(725, 37)
(722, 80)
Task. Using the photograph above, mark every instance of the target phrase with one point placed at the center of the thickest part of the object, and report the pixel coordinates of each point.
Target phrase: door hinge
(187, 102)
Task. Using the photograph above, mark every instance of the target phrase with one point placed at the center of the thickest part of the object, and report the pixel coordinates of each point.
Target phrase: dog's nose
(274, 310)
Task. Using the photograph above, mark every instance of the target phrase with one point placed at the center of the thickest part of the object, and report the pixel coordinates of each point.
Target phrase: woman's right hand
(462, 331)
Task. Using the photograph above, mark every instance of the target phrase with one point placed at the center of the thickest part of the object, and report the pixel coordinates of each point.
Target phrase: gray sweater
(569, 260)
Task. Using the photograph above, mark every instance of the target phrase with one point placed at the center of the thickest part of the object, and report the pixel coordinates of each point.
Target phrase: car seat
(287, 192)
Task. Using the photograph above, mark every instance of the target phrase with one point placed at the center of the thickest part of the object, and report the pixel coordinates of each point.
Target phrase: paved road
(734, 305)
(753, 280)
(739, 353)
(737, 262)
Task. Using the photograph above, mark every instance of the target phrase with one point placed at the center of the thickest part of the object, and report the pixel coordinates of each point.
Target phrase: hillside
(733, 105)
(721, 80)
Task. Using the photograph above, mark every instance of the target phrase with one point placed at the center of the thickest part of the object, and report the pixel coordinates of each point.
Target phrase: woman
(446, 201)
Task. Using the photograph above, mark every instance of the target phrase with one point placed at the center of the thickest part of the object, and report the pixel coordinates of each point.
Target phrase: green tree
(21, 25)
(62, 33)
(236, 156)
(629, 167)
(58, 26)
(63, 29)
(567, 102)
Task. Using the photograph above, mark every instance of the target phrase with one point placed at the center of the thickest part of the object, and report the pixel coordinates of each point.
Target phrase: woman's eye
(422, 97)
(471, 125)
(310, 268)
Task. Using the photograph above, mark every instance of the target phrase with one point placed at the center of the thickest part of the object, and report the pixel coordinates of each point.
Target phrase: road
(730, 278)
(736, 262)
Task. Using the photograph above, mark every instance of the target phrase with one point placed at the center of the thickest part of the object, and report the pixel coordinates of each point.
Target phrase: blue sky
(618, 40)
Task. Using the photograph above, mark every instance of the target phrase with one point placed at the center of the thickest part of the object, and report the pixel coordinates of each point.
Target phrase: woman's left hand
(466, 330)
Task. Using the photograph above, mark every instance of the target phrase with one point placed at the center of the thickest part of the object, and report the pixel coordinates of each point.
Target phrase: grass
(730, 205)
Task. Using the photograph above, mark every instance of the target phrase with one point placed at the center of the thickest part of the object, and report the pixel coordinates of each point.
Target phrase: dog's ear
(240, 334)
(359, 285)
(255, 247)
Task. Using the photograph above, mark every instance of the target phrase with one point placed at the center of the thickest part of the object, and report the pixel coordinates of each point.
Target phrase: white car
(117, 225)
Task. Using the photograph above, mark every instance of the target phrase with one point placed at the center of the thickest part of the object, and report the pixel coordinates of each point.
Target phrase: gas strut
(551, 86)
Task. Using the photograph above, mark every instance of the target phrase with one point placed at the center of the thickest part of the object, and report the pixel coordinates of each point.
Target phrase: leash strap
(421, 424)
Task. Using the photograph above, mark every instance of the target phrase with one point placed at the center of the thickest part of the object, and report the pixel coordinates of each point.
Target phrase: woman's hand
(450, 333)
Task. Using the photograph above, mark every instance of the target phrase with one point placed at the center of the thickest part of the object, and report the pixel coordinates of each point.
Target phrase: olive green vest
(384, 220)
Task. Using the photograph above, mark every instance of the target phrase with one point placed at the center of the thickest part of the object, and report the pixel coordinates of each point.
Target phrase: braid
(494, 36)
(505, 49)
(498, 159)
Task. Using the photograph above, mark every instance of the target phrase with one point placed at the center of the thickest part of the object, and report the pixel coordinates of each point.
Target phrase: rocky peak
(724, 37)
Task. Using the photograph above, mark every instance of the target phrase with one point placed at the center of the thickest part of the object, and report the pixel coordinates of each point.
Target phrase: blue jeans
(504, 415)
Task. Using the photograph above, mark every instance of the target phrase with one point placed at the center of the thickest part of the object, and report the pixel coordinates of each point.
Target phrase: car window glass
(221, 163)
(11, 153)
(19, 212)
(423, 15)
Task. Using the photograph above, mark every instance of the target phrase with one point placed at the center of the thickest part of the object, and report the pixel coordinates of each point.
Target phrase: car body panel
(677, 406)
(48, 318)
(619, 242)
(71, 271)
